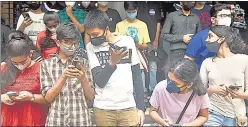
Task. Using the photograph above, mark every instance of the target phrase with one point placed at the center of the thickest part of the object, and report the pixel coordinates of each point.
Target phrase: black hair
(186, 71)
(130, 5)
(227, 2)
(96, 19)
(67, 31)
(218, 7)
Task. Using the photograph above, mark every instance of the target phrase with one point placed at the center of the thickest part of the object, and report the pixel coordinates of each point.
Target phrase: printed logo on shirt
(110, 19)
(152, 12)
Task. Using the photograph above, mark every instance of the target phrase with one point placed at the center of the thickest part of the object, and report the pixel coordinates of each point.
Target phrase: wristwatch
(33, 98)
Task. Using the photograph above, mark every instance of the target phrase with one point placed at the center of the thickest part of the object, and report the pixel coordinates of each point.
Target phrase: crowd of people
(58, 63)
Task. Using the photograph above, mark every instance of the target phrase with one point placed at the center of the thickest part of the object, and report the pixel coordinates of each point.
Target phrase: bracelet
(33, 98)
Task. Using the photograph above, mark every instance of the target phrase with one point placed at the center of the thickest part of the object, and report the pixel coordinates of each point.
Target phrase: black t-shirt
(150, 13)
(114, 18)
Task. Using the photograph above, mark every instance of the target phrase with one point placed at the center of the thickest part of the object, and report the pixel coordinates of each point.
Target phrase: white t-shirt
(35, 28)
(228, 71)
(118, 92)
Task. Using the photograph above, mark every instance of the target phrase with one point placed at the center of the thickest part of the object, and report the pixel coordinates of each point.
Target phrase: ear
(222, 39)
(212, 20)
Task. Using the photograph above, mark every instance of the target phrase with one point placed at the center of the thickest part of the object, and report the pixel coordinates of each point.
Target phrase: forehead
(129, 10)
(224, 11)
(18, 59)
(93, 30)
(52, 22)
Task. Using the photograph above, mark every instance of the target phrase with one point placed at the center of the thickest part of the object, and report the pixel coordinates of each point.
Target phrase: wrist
(32, 98)
(111, 64)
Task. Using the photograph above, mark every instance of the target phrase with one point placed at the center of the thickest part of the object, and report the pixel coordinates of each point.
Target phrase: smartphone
(26, 16)
(234, 87)
(12, 94)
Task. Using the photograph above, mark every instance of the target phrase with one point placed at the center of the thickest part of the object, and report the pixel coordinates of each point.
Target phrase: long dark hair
(186, 71)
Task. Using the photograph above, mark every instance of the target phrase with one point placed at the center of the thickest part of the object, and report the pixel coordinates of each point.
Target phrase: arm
(157, 32)
(73, 19)
(193, 47)
(200, 119)
(19, 24)
(39, 99)
(204, 76)
(87, 84)
(145, 39)
(155, 116)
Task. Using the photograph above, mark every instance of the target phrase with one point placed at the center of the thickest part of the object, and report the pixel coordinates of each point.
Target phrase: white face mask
(68, 3)
(20, 67)
(53, 30)
(225, 21)
(86, 4)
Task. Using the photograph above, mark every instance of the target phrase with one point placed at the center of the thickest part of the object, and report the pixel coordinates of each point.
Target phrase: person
(202, 10)
(5, 31)
(137, 29)
(196, 49)
(20, 74)
(171, 95)
(177, 31)
(150, 13)
(65, 84)
(114, 103)
(73, 15)
(113, 15)
(33, 24)
(225, 76)
(46, 40)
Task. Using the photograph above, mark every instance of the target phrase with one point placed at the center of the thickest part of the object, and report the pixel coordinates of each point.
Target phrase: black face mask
(98, 40)
(187, 6)
(213, 47)
(34, 6)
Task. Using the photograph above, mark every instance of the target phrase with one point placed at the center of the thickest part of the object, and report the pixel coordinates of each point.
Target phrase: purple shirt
(170, 105)
(204, 16)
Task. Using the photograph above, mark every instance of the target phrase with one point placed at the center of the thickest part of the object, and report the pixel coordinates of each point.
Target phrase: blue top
(197, 47)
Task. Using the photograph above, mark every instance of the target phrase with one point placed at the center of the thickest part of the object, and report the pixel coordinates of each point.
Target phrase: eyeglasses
(70, 44)
(225, 15)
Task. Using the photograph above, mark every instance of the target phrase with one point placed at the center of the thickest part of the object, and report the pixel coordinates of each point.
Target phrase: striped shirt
(69, 108)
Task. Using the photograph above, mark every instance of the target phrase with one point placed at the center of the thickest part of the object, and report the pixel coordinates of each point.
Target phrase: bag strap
(185, 107)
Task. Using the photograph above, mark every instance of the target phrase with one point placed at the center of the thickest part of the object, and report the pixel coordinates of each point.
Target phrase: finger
(124, 54)
(111, 50)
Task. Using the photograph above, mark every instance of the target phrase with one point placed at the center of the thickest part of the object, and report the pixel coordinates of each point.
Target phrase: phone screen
(11, 94)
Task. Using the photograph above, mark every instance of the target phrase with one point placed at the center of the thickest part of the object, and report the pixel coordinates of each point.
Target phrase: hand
(116, 56)
(23, 96)
(73, 72)
(166, 123)
(69, 11)
(27, 22)
(54, 36)
(6, 100)
(235, 93)
(141, 116)
(220, 90)
(155, 44)
(187, 38)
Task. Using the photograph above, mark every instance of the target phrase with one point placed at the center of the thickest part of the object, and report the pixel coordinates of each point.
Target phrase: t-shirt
(170, 105)
(228, 71)
(35, 28)
(204, 16)
(197, 47)
(118, 92)
(114, 18)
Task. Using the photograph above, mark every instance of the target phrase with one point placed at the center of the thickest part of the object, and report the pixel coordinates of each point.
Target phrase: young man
(67, 85)
(177, 31)
(33, 24)
(196, 49)
(202, 10)
(116, 72)
(137, 29)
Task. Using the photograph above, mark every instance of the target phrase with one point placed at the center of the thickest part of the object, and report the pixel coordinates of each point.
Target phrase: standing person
(219, 74)
(202, 10)
(114, 101)
(21, 75)
(5, 31)
(137, 29)
(46, 40)
(33, 24)
(171, 95)
(177, 31)
(73, 15)
(150, 13)
(114, 16)
(196, 49)
(64, 86)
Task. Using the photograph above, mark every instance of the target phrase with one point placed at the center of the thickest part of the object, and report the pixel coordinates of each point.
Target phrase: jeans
(144, 80)
(153, 74)
(216, 119)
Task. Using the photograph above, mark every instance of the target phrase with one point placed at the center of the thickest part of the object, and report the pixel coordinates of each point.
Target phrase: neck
(102, 8)
(131, 21)
(63, 57)
(199, 6)
(38, 11)
(111, 37)
(226, 53)
(185, 91)
(186, 12)
(31, 64)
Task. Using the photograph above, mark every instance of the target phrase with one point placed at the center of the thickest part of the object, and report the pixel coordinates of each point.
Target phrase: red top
(25, 113)
(45, 53)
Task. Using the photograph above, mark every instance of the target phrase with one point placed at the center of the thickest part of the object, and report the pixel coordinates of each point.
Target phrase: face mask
(202, 3)
(131, 16)
(69, 3)
(53, 30)
(103, 4)
(171, 87)
(98, 40)
(68, 51)
(225, 21)
(213, 47)
(34, 6)
(187, 6)
(86, 4)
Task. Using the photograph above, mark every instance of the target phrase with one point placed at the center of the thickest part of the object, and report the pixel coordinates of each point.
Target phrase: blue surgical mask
(171, 87)
(131, 16)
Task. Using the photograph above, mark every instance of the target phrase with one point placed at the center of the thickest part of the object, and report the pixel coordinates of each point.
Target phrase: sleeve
(194, 46)
(38, 40)
(167, 30)
(20, 20)
(146, 37)
(154, 100)
(117, 28)
(205, 102)
(45, 79)
(204, 73)
(246, 78)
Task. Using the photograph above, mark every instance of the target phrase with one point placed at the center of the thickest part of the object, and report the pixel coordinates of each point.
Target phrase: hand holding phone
(236, 88)
(12, 94)
(115, 47)
(27, 20)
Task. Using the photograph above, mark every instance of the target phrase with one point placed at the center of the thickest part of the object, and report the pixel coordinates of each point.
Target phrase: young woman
(170, 97)
(226, 76)
(22, 102)
(46, 39)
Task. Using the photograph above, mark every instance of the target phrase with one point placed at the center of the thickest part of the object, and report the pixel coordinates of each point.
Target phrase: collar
(180, 13)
